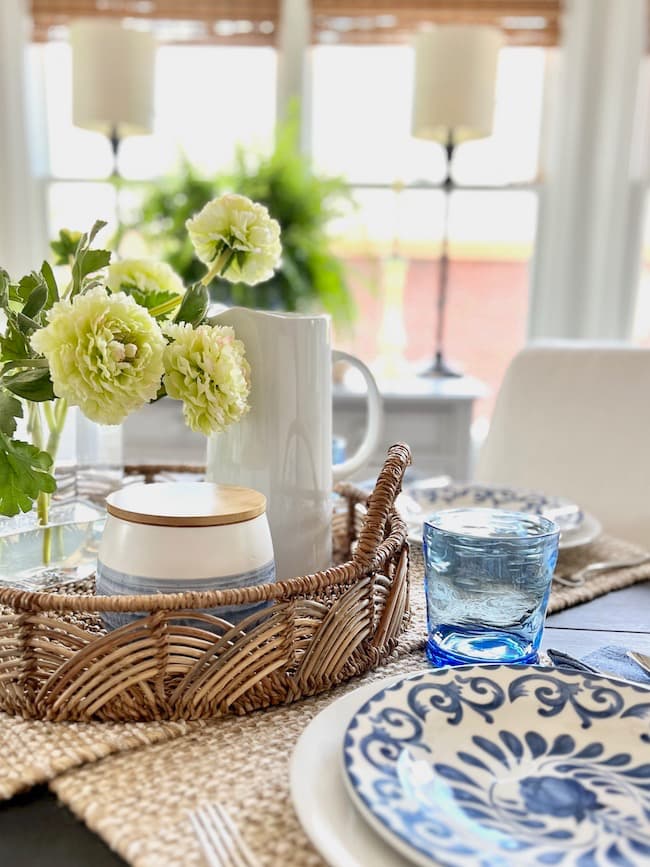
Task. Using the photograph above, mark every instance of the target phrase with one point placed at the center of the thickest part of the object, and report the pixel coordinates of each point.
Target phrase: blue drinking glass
(488, 577)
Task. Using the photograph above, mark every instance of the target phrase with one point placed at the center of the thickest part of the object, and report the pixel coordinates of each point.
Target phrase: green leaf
(26, 324)
(10, 410)
(24, 473)
(14, 345)
(150, 299)
(22, 290)
(65, 246)
(5, 281)
(194, 305)
(36, 301)
(32, 383)
(87, 261)
(98, 225)
(50, 282)
(94, 260)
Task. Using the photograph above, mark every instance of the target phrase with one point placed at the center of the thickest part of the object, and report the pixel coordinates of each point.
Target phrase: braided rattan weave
(57, 661)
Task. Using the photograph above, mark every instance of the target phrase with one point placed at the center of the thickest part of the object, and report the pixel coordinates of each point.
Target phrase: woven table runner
(604, 550)
(34, 752)
(138, 800)
(138, 803)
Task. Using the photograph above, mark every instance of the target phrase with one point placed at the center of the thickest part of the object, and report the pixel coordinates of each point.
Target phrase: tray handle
(380, 502)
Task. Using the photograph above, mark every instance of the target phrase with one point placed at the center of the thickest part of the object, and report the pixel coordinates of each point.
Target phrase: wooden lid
(185, 504)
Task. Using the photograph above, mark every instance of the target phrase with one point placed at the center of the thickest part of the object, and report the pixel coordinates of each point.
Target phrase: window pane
(362, 130)
(382, 221)
(74, 152)
(199, 117)
(194, 114)
(491, 242)
(511, 154)
(362, 116)
(76, 206)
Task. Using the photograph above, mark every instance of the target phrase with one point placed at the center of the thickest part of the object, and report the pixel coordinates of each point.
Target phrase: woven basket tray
(57, 662)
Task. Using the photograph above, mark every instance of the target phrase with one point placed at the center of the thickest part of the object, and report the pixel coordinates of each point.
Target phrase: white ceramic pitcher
(283, 446)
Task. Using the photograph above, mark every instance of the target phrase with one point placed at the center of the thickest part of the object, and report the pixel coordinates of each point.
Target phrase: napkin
(613, 660)
(610, 659)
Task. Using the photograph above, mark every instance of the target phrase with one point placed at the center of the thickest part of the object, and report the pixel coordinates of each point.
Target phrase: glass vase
(56, 543)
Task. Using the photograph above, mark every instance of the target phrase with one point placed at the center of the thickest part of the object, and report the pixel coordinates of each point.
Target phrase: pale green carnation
(146, 275)
(105, 354)
(237, 239)
(206, 368)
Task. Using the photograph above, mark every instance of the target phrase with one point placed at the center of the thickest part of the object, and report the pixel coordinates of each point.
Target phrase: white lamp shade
(112, 77)
(455, 81)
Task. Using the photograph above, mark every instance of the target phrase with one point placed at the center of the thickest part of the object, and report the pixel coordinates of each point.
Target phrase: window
(189, 120)
(361, 130)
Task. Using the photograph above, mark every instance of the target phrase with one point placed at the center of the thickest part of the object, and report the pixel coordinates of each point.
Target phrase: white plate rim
(332, 722)
(584, 534)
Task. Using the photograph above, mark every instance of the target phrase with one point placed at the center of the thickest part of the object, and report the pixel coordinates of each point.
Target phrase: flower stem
(56, 424)
(219, 266)
(166, 306)
(55, 414)
(43, 509)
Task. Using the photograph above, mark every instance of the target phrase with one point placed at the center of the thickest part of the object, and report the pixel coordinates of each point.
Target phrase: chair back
(573, 419)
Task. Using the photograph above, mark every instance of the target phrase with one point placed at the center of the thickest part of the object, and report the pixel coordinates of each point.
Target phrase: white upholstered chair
(574, 419)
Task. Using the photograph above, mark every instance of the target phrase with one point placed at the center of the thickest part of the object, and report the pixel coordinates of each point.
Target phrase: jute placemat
(33, 752)
(139, 804)
(603, 550)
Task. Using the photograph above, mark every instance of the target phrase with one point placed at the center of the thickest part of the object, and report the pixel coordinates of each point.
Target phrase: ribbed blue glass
(488, 578)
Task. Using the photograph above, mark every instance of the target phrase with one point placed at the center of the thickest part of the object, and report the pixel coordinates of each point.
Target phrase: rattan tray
(57, 662)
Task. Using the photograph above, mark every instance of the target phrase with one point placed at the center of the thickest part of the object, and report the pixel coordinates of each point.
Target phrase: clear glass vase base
(40, 557)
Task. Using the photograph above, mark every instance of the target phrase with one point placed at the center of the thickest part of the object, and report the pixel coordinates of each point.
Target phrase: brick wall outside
(486, 315)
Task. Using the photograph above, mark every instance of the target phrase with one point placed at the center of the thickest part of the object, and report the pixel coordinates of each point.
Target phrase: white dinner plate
(584, 534)
(326, 812)
(421, 499)
(505, 765)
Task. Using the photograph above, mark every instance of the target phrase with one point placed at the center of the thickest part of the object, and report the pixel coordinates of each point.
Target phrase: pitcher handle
(375, 418)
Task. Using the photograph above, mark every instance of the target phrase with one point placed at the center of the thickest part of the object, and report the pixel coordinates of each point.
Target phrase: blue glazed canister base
(110, 582)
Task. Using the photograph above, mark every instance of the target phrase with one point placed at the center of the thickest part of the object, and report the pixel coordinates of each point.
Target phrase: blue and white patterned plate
(504, 766)
(423, 498)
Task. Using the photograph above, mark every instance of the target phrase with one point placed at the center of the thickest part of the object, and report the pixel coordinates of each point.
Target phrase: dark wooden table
(36, 832)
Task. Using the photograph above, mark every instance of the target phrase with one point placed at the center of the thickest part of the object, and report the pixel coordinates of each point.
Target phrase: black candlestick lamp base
(441, 368)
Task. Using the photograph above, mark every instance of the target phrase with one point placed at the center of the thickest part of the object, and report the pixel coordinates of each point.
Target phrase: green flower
(105, 354)
(206, 368)
(237, 239)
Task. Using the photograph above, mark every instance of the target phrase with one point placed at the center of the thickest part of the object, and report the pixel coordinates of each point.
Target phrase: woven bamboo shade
(255, 22)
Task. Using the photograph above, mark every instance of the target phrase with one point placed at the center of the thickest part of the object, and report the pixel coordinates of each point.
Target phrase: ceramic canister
(172, 537)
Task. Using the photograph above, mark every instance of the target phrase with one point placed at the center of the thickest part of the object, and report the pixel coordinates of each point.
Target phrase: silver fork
(641, 659)
(578, 578)
(221, 842)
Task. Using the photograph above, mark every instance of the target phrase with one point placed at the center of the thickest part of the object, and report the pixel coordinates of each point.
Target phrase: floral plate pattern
(422, 498)
(505, 766)
(432, 498)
